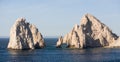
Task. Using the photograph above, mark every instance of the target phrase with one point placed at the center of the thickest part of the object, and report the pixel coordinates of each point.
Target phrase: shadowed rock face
(25, 36)
(90, 33)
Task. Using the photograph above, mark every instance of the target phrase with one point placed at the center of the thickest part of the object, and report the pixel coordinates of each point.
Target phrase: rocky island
(90, 33)
(24, 35)
(59, 42)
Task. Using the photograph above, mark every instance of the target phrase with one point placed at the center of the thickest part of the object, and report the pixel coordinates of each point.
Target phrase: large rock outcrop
(24, 35)
(90, 33)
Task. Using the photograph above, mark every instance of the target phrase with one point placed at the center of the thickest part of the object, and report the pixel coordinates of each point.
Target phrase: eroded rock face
(90, 33)
(72, 38)
(96, 33)
(37, 37)
(116, 43)
(59, 42)
(24, 36)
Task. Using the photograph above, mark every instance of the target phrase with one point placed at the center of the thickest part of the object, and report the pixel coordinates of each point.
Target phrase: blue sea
(52, 54)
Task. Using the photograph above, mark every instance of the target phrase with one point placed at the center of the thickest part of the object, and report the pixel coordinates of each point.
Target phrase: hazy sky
(57, 17)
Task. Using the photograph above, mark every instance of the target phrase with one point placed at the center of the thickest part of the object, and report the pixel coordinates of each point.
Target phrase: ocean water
(52, 54)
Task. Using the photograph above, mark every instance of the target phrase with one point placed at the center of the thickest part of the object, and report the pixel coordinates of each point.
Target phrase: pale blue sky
(57, 17)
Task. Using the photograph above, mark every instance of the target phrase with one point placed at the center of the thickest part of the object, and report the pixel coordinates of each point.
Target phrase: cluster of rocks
(90, 33)
(24, 35)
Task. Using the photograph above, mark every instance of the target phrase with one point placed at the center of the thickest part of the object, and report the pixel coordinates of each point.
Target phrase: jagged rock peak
(24, 35)
(21, 19)
(88, 18)
(76, 27)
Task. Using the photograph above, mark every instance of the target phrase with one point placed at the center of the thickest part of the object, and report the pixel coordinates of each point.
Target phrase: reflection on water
(85, 55)
(20, 56)
(52, 54)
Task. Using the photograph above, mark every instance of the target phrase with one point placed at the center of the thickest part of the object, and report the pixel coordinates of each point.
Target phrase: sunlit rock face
(96, 33)
(37, 37)
(90, 33)
(72, 38)
(24, 35)
(59, 42)
(115, 44)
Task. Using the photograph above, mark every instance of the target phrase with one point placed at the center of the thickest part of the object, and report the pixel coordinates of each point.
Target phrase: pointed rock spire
(59, 42)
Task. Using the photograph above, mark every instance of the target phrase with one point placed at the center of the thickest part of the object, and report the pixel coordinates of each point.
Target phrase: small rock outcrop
(24, 35)
(116, 43)
(90, 33)
(72, 38)
(59, 42)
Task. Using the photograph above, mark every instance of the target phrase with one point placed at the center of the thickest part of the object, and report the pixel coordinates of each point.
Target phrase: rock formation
(37, 37)
(25, 36)
(59, 42)
(116, 43)
(72, 38)
(90, 33)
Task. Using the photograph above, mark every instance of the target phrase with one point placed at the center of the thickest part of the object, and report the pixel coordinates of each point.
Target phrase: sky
(57, 17)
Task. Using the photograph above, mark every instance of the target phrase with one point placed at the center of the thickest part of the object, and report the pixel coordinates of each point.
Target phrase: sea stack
(72, 38)
(24, 35)
(90, 33)
(59, 42)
